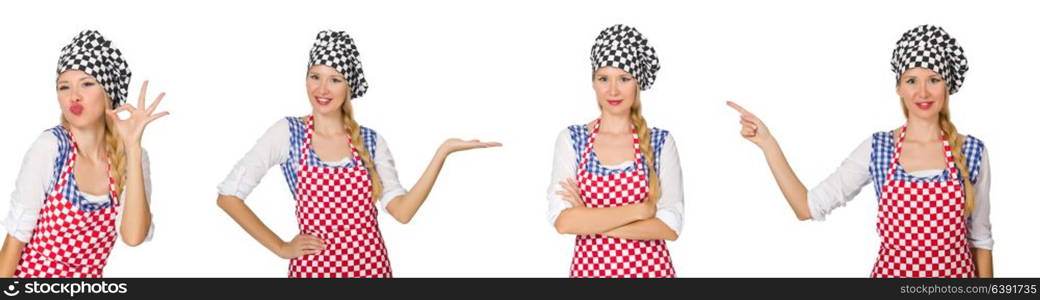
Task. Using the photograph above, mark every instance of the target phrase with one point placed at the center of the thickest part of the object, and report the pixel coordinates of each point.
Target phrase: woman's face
(82, 99)
(923, 93)
(327, 89)
(615, 90)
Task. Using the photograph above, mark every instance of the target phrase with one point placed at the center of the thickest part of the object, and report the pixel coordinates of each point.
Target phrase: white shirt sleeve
(843, 185)
(387, 173)
(978, 223)
(31, 186)
(270, 150)
(670, 207)
(563, 168)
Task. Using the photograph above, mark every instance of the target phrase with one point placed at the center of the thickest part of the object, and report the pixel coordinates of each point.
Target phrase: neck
(90, 141)
(329, 124)
(615, 124)
(923, 130)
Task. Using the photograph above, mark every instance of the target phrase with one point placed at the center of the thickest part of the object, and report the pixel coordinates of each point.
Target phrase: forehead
(324, 70)
(920, 72)
(73, 75)
(610, 71)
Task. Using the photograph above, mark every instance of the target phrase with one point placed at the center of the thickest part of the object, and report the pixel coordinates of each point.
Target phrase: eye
(626, 79)
(337, 80)
(63, 87)
(601, 78)
(911, 81)
(312, 76)
(88, 84)
(935, 80)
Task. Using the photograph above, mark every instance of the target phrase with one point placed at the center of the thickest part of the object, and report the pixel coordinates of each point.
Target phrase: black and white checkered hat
(337, 50)
(623, 47)
(93, 54)
(930, 47)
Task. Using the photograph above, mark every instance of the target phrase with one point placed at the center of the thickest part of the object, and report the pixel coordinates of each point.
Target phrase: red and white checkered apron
(69, 242)
(603, 256)
(335, 204)
(922, 225)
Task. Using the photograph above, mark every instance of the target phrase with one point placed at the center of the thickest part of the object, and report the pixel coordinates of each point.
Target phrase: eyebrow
(80, 79)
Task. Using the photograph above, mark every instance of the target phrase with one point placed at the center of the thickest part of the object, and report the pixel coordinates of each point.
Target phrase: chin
(325, 109)
(925, 115)
(81, 121)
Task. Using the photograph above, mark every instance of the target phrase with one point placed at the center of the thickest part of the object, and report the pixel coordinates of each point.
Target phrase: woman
(603, 188)
(931, 220)
(338, 172)
(85, 178)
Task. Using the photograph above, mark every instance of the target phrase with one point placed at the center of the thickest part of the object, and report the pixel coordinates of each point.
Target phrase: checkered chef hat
(930, 47)
(93, 54)
(623, 47)
(337, 50)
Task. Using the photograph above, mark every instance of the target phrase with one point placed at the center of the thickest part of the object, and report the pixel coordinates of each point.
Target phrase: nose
(77, 95)
(613, 88)
(923, 92)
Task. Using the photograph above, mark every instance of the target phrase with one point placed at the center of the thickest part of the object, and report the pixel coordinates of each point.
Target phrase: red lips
(924, 105)
(76, 109)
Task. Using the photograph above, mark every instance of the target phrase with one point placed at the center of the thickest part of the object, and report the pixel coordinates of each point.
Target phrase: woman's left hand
(454, 145)
(131, 128)
(570, 193)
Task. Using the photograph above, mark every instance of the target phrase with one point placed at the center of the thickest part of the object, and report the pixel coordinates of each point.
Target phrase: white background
(518, 73)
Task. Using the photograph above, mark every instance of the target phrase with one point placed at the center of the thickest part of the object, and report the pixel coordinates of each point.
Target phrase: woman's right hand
(752, 127)
(301, 244)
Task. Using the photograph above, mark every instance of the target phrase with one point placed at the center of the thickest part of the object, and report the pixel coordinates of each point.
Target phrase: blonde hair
(956, 146)
(643, 131)
(114, 148)
(354, 130)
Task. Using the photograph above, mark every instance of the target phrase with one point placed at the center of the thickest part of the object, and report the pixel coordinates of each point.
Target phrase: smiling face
(615, 90)
(327, 89)
(923, 93)
(82, 99)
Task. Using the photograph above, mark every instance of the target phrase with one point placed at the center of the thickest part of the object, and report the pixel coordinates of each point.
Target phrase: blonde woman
(932, 182)
(86, 181)
(338, 172)
(616, 182)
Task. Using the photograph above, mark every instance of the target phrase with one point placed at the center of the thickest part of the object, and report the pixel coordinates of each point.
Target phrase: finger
(156, 116)
(572, 182)
(315, 239)
(144, 91)
(573, 190)
(748, 133)
(743, 112)
(492, 144)
(737, 107)
(151, 107)
(749, 124)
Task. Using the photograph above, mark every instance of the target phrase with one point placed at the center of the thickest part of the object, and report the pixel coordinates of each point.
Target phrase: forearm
(649, 229)
(404, 207)
(587, 220)
(137, 216)
(793, 189)
(10, 256)
(983, 262)
(237, 209)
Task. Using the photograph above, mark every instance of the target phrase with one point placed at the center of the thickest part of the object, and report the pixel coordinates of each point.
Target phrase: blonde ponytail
(644, 146)
(354, 130)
